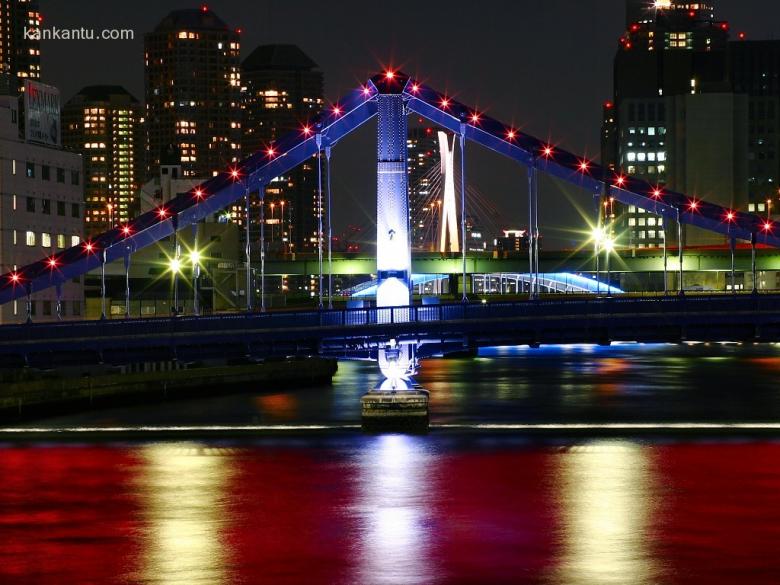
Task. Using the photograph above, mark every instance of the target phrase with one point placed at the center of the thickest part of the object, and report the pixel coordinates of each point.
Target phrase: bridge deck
(357, 332)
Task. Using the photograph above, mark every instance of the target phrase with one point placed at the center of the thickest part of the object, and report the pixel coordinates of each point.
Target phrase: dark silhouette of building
(674, 119)
(755, 71)
(282, 90)
(193, 89)
(20, 45)
(103, 123)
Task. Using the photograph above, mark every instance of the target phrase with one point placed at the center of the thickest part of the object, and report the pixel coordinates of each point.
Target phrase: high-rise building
(755, 71)
(193, 85)
(424, 162)
(20, 45)
(674, 120)
(282, 89)
(104, 124)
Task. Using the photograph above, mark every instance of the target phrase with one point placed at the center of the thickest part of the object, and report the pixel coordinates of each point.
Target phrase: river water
(455, 506)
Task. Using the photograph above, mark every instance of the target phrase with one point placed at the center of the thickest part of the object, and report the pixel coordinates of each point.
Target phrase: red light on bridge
(366, 90)
(389, 74)
(234, 173)
(656, 193)
(15, 278)
(445, 103)
(415, 88)
(730, 216)
(511, 134)
(126, 230)
(198, 193)
(767, 227)
(693, 205)
(547, 151)
(306, 130)
(620, 181)
(724, 26)
(162, 212)
(52, 262)
(584, 166)
(270, 151)
(741, 36)
(336, 111)
(474, 118)
(89, 247)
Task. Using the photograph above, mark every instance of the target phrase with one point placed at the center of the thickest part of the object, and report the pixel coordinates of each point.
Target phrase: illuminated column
(448, 221)
(393, 248)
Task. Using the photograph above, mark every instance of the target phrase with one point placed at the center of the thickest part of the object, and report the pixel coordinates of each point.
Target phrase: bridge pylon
(397, 401)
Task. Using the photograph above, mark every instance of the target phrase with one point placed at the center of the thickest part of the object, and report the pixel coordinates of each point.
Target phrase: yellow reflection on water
(606, 499)
(394, 507)
(182, 489)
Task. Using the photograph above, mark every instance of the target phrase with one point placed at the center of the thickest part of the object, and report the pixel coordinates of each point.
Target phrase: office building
(104, 124)
(193, 85)
(282, 89)
(675, 119)
(41, 210)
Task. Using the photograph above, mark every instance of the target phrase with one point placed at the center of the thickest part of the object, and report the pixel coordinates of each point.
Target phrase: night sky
(545, 65)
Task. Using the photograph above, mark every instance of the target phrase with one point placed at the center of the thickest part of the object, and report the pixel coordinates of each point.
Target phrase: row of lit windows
(46, 240)
(46, 172)
(646, 156)
(642, 222)
(642, 169)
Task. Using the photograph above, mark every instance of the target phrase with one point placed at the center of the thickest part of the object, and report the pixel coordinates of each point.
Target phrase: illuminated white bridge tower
(396, 397)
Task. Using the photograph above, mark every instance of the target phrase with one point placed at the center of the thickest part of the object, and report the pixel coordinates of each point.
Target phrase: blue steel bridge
(391, 96)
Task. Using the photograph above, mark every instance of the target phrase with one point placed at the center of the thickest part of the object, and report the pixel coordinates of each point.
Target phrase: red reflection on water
(391, 509)
(719, 515)
(67, 515)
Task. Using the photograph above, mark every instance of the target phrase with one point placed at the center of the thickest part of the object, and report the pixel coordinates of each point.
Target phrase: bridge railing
(341, 318)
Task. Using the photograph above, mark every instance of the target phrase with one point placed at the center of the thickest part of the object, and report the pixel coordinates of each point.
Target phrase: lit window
(46, 240)
(631, 156)
(74, 240)
(30, 238)
(61, 241)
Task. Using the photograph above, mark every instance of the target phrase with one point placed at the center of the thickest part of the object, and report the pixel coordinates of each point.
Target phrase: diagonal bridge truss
(324, 132)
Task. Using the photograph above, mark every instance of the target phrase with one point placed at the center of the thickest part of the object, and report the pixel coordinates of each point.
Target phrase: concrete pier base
(395, 410)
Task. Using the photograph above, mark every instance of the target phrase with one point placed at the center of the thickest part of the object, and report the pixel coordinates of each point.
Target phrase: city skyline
(589, 30)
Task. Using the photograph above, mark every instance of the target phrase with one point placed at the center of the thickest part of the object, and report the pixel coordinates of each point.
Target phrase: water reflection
(606, 497)
(182, 487)
(395, 487)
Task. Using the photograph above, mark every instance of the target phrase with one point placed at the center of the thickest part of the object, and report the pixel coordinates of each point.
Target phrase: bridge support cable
(262, 252)
(195, 260)
(29, 305)
(733, 247)
(58, 290)
(330, 227)
(319, 216)
(598, 196)
(463, 242)
(176, 264)
(680, 249)
(103, 284)
(666, 258)
(248, 250)
(127, 283)
(753, 261)
(533, 231)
